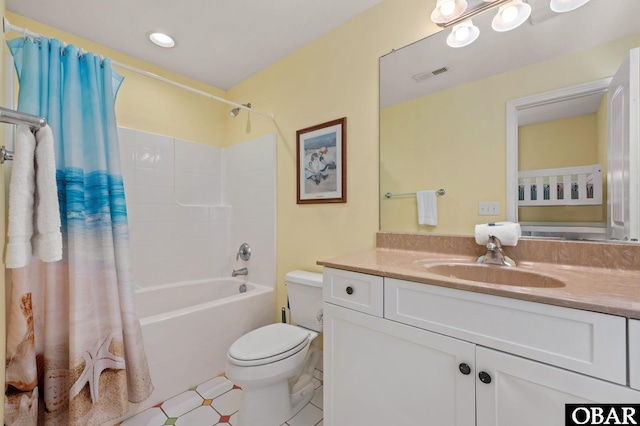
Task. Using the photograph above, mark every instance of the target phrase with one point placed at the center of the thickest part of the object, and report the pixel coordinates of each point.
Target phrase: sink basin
(491, 274)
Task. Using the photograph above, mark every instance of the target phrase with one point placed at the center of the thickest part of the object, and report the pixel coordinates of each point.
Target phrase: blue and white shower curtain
(74, 345)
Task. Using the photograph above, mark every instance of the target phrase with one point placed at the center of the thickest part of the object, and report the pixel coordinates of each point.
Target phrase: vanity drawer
(582, 341)
(352, 290)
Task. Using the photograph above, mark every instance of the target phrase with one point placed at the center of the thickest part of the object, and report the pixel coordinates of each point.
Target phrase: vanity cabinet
(441, 356)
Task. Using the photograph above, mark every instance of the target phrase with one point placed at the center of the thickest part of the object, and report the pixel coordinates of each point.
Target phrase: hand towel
(507, 232)
(47, 238)
(21, 199)
(34, 215)
(427, 208)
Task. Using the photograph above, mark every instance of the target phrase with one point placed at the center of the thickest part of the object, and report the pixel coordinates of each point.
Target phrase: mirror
(443, 110)
(558, 140)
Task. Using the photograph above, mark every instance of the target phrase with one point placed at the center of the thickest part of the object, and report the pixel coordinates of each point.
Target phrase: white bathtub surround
(198, 174)
(250, 188)
(191, 206)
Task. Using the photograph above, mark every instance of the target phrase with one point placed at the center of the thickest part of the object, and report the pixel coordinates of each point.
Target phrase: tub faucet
(495, 255)
(236, 272)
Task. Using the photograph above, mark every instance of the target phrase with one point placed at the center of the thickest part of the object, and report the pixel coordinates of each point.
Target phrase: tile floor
(216, 402)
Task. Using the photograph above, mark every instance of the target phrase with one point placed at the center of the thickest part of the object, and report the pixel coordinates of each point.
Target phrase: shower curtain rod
(8, 27)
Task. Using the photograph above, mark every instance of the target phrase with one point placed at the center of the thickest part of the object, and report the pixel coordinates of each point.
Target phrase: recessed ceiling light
(161, 39)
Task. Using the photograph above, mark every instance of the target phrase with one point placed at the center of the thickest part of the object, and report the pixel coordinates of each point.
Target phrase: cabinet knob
(349, 290)
(465, 369)
(484, 377)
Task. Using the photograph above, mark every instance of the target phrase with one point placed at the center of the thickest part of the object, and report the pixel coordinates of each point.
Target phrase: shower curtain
(75, 354)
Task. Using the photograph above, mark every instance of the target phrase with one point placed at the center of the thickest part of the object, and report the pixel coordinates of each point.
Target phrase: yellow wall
(423, 146)
(560, 143)
(335, 76)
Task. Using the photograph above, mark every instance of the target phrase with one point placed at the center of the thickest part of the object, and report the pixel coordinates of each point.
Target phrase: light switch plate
(488, 208)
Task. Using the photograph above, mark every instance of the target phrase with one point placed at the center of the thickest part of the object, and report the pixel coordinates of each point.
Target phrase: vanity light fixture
(161, 39)
(561, 6)
(511, 15)
(463, 34)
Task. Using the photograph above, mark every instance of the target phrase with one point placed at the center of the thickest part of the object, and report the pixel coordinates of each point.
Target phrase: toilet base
(271, 405)
(274, 404)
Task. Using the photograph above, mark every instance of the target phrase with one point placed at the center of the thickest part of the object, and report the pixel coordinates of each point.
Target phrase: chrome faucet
(495, 255)
(243, 271)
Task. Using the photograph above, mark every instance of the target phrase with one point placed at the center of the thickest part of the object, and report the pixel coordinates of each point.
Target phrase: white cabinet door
(378, 372)
(634, 353)
(527, 393)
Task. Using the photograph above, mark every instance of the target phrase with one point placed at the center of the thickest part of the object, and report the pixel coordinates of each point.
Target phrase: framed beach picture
(322, 163)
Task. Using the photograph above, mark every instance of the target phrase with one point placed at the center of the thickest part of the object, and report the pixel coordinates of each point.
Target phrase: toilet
(274, 364)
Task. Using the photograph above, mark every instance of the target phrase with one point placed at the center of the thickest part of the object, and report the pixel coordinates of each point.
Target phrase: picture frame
(321, 163)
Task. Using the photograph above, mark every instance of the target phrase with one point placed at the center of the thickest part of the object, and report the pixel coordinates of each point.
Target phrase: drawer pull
(465, 369)
(349, 290)
(484, 377)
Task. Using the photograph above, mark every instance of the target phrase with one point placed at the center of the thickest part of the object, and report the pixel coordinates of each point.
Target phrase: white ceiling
(219, 42)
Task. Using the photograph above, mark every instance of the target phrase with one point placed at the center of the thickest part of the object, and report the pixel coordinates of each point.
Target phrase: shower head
(234, 112)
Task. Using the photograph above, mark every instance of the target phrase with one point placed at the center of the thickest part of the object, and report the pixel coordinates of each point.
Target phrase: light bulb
(510, 14)
(447, 8)
(462, 33)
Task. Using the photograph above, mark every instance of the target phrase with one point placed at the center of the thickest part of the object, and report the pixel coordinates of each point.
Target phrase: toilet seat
(268, 344)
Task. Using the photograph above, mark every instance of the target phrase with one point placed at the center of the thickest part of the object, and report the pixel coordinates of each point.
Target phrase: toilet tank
(305, 298)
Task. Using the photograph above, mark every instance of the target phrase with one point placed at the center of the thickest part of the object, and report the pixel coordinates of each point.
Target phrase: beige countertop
(614, 290)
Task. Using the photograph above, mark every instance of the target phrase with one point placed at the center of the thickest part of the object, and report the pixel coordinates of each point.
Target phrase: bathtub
(188, 328)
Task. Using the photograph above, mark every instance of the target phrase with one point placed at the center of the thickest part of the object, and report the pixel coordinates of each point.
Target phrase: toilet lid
(269, 344)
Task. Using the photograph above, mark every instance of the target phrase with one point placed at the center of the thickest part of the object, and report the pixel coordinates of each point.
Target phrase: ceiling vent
(428, 74)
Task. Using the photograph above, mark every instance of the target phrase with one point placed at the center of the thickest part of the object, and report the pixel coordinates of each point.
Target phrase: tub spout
(236, 272)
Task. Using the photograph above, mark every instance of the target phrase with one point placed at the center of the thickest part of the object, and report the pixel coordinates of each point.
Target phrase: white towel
(21, 197)
(427, 208)
(33, 201)
(47, 240)
(507, 232)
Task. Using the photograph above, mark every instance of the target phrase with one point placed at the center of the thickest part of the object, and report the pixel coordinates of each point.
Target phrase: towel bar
(16, 117)
(389, 195)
